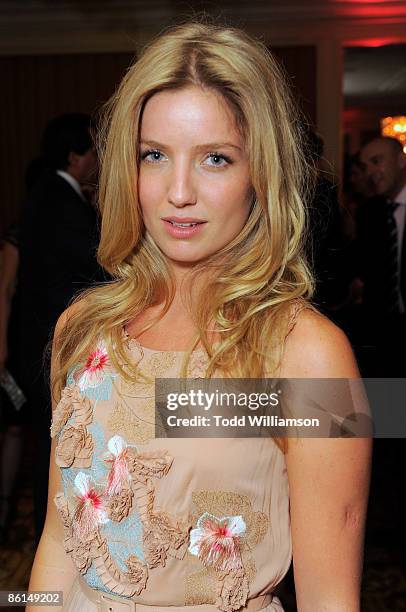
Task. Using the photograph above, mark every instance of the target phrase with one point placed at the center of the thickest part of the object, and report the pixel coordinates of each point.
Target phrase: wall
(35, 89)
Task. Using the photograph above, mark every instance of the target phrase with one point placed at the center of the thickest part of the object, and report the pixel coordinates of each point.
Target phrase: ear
(73, 159)
(402, 160)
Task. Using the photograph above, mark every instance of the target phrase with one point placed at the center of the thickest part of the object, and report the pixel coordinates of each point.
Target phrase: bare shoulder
(58, 340)
(317, 348)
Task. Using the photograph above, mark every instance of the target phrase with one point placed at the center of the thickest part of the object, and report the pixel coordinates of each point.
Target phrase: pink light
(362, 1)
(373, 42)
(369, 8)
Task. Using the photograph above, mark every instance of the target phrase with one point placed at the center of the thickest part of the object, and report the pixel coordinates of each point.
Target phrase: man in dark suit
(59, 239)
(382, 269)
(381, 261)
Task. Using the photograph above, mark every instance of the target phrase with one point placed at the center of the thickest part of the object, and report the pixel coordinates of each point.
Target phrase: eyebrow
(208, 145)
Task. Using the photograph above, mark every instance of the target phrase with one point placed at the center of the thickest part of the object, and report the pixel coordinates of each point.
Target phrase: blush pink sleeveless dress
(160, 524)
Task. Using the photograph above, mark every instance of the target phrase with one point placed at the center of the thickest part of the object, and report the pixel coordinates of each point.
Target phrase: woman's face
(194, 182)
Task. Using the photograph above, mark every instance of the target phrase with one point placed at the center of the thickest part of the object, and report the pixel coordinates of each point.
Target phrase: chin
(185, 260)
(184, 256)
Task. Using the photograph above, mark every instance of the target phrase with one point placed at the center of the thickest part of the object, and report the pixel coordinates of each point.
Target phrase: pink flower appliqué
(119, 476)
(96, 367)
(216, 541)
(90, 511)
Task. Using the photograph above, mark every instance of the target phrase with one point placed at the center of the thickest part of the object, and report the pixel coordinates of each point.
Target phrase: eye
(152, 156)
(218, 160)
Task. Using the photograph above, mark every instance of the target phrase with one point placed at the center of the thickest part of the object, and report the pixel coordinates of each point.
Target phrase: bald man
(382, 254)
(384, 164)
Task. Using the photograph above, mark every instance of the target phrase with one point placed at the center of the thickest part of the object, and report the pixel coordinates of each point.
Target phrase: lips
(183, 227)
(191, 224)
(183, 221)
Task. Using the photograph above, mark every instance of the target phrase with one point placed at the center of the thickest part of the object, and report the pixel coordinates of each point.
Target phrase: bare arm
(7, 285)
(328, 480)
(53, 569)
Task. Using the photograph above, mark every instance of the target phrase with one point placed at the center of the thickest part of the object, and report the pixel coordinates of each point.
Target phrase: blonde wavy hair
(255, 277)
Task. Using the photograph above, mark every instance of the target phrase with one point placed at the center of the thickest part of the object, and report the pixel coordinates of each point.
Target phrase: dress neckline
(145, 349)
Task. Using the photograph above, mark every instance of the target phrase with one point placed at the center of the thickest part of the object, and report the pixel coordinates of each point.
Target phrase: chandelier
(395, 127)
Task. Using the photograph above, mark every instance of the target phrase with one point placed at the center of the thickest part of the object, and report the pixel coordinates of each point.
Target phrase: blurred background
(346, 61)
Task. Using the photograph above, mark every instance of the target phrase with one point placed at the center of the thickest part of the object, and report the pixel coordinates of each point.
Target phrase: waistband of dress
(107, 602)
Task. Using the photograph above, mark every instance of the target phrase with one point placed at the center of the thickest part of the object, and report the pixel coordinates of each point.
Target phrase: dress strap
(296, 308)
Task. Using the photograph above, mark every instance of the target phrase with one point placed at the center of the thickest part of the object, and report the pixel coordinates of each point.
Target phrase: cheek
(230, 200)
(89, 160)
(148, 192)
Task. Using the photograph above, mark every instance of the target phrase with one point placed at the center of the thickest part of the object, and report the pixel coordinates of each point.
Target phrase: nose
(368, 171)
(372, 170)
(181, 189)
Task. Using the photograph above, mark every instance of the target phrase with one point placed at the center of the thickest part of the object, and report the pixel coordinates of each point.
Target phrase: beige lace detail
(154, 365)
(143, 466)
(227, 590)
(232, 590)
(157, 364)
(198, 363)
(80, 551)
(144, 496)
(163, 534)
(297, 307)
(140, 390)
(136, 420)
(72, 401)
(83, 411)
(126, 584)
(75, 447)
(138, 427)
(133, 346)
(75, 444)
(201, 585)
(137, 572)
(95, 549)
(119, 505)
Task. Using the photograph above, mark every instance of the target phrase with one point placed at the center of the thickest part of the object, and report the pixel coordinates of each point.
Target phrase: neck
(186, 280)
(189, 286)
(73, 174)
(393, 194)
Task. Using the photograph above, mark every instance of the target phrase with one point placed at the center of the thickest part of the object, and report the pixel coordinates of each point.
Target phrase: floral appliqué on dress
(95, 376)
(221, 542)
(75, 444)
(216, 541)
(127, 487)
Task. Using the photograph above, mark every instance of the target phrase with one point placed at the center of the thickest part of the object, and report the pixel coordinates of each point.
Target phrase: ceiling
(371, 74)
(22, 11)
(375, 76)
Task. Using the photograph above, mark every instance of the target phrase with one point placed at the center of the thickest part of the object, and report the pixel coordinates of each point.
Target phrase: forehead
(193, 112)
(377, 147)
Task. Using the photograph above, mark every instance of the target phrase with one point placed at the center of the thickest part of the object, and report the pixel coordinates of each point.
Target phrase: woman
(202, 190)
